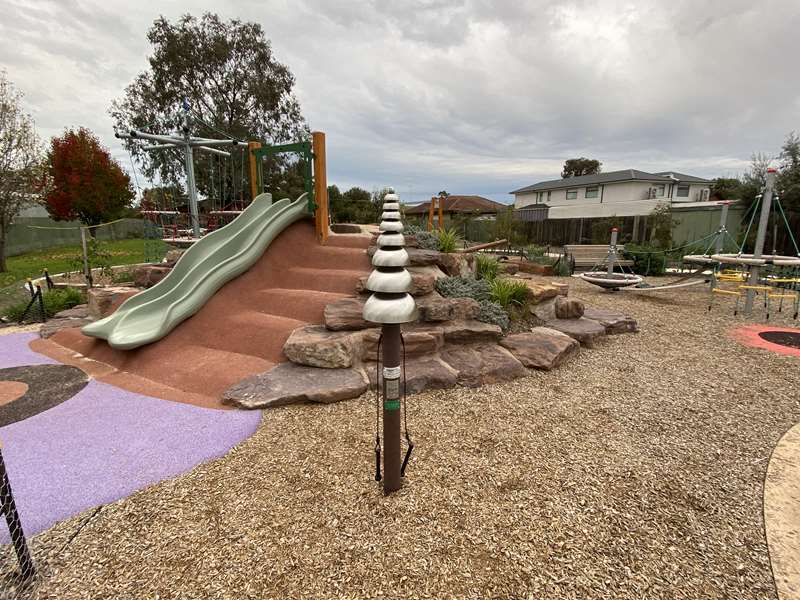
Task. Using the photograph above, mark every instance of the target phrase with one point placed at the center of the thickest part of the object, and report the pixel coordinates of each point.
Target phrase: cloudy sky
(472, 96)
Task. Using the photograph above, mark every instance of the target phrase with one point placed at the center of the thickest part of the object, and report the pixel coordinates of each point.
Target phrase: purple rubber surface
(14, 351)
(103, 444)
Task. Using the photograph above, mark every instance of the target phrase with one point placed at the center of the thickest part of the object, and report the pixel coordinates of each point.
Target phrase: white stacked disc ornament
(390, 282)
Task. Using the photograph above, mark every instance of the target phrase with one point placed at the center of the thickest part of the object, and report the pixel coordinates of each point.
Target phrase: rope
(788, 227)
(378, 412)
(669, 250)
(750, 225)
(77, 227)
(219, 131)
(405, 413)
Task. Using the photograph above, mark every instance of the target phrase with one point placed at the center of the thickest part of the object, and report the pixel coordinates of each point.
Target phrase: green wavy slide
(203, 269)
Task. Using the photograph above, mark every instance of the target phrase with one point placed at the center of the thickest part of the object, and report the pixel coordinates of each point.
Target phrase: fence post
(86, 271)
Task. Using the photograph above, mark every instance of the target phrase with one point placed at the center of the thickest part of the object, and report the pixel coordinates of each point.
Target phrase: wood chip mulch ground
(634, 471)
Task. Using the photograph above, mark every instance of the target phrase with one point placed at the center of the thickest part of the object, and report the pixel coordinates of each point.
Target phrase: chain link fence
(17, 570)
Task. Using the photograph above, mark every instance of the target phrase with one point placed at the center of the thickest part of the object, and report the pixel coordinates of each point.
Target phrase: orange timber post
(430, 214)
(320, 186)
(253, 169)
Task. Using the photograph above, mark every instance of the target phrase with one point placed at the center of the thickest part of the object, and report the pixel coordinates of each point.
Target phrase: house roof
(599, 178)
(460, 204)
(684, 178)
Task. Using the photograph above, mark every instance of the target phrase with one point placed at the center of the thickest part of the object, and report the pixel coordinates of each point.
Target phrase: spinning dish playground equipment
(608, 279)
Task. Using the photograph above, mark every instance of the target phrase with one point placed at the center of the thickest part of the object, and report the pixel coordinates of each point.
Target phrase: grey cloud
(475, 96)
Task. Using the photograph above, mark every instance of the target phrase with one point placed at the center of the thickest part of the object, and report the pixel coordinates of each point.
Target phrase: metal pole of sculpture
(390, 305)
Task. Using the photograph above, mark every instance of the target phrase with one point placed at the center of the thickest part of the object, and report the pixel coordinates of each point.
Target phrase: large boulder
(535, 268)
(422, 373)
(584, 330)
(81, 311)
(417, 341)
(346, 314)
(544, 311)
(102, 301)
(481, 365)
(541, 348)
(539, 291)
(569, 308)
(417, 257)
(54, 325)
(456, 264)
(614, 322)
(317, 346)
(423, 279)
(434, 308)
(470, 332)
(146, 276)
(288, 383)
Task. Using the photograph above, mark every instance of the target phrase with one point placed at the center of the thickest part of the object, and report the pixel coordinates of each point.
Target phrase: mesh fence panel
(17, 571)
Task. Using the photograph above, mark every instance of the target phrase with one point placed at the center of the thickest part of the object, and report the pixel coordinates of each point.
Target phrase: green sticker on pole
(391, 405)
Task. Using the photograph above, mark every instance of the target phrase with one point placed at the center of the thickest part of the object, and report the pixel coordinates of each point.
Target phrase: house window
(548, 196)
(593, 192)
(572, 194)
(683, 191)
(660, 191)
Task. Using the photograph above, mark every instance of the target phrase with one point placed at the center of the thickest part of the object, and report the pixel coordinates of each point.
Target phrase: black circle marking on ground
(48, 386)
(790, 339)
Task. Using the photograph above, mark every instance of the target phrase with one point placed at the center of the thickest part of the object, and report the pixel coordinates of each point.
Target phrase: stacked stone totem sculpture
(390, 305)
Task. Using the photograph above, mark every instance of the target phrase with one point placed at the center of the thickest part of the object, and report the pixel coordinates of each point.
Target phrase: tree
(789, 177)
(228, 74)
(444, 194)
(727, 188)
(20, 160)
(507, 227)
(353, 206)
(83, 181)
(574, 167)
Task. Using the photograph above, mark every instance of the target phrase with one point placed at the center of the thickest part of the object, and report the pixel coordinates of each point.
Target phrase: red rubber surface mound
(242, 329)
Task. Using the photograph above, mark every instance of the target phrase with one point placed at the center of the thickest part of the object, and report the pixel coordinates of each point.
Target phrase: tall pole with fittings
(761, 235)
(612, 251)
(188, 144)
(390, 305)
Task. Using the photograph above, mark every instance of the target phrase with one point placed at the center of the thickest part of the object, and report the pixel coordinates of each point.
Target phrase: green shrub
(645, 261)
(533, 250)
(54, 301)
(448, 240)
(507, 292)
(427, 240)
(491, 312)
(463, 287)
(487, 267)
(124, 276)
(561, 267)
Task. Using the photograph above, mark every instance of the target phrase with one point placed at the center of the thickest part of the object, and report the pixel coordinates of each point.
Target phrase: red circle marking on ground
(11, 390)
(748, 335)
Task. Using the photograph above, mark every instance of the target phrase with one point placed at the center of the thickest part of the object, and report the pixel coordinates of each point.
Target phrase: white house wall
(628, 198)
(695, 193)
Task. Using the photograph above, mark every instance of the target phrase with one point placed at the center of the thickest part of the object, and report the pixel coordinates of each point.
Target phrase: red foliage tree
(83, 181)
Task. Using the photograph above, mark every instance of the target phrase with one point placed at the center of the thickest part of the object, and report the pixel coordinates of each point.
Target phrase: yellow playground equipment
(769, 277)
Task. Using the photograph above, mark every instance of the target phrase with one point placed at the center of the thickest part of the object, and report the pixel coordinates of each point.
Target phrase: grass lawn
(59, 260)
